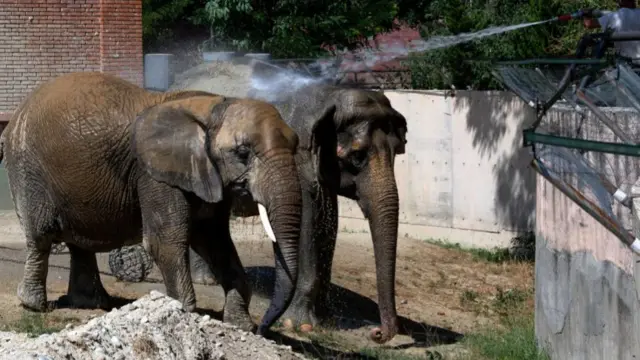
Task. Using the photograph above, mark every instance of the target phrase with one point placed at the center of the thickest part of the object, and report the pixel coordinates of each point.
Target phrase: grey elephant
(348, 142)
(99, 163)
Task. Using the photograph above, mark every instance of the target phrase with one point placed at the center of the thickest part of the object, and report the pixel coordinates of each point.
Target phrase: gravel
(153, 327)
(218, 77)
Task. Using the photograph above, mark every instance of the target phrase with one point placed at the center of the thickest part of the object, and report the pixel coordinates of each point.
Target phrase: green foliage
(465, 67)
(289, 28)
(304, 28)
(516, 341)
(159, 15)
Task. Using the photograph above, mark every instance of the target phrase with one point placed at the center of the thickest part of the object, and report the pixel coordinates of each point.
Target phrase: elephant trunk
(379, 202)
(280, 194)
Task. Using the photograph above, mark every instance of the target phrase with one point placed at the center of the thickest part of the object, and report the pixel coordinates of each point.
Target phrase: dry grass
(35, 324)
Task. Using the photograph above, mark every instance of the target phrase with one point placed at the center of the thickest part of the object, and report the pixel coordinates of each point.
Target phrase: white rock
(155, 325)
(115, 341)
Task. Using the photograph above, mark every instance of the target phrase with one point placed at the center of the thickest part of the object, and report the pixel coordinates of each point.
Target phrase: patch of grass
(386, 354)
(468, 296)
(442, 280)
(36, 324)
(508, 302)
(516, 341)
(327, 339)
(495, 255)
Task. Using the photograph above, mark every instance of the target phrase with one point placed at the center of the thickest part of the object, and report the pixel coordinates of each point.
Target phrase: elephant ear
(323, 140)
(399, 124)
(171, 145)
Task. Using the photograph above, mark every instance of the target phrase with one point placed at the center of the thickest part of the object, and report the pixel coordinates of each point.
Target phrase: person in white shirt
(626, 18)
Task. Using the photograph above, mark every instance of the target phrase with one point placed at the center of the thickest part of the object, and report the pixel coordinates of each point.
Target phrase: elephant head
(216, 147)
(357, 133)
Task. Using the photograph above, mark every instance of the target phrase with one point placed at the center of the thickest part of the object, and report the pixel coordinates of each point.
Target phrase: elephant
(348, 141)
(98, 163)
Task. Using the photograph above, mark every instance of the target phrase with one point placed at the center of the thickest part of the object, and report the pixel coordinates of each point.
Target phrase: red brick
(41, 39)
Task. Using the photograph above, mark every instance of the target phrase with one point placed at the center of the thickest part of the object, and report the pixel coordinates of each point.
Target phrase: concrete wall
(465, 176)
(42, 39)
(587, 284)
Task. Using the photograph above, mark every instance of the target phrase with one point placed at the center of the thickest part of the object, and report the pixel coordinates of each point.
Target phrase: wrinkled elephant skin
(348, 142)
(100, 163)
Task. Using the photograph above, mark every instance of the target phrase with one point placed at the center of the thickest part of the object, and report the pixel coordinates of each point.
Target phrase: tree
(466, 65)
(294, 28)
(163, 20)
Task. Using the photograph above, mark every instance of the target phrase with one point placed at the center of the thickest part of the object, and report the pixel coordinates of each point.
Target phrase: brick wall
(41, 39)
(388, 71)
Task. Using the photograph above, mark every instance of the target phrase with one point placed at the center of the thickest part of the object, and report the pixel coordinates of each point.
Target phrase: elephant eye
(358, 158)
(243, 152)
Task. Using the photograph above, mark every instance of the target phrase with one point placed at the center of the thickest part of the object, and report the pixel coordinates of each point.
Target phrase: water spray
(287, 80)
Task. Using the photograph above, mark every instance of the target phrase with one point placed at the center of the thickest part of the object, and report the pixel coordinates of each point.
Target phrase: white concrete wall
(465, 176)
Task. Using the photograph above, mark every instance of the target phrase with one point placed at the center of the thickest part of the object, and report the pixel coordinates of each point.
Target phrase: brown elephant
(348, 142)
(97, 162)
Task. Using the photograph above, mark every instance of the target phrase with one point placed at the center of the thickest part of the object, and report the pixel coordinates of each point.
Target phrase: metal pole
(610, 124)
(588, 206)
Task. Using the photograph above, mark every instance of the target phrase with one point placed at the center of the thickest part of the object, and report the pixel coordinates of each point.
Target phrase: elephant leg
(40, 231)
(213, 243)
(172, 259)
(165, 235)
(200, 270)
(85, 287)
(301, 313)
(326, 243)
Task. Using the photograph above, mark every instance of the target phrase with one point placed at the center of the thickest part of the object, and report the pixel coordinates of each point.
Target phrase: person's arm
(595, 23)
(591, 23)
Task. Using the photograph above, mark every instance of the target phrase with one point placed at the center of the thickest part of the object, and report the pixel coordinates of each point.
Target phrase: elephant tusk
(266, 223)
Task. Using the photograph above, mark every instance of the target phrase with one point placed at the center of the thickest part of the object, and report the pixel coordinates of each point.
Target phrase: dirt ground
(441, 292)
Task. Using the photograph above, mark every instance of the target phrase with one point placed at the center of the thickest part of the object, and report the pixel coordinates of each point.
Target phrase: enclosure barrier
(585, 145)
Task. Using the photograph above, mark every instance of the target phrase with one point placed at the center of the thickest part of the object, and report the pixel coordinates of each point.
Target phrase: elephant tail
(3, 140)
(3, 137)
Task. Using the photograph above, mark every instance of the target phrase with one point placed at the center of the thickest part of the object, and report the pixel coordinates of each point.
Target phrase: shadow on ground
(353, 311)
(64, 302)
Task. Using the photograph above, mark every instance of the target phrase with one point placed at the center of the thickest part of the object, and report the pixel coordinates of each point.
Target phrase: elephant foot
(32, 297)
(81, 300)
(301, 317)
(236, 312)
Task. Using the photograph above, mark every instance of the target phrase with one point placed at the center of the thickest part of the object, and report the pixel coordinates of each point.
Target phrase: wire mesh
(602, 107)
(595, 175)
(130, 263)
(532, 85)
(615, 86)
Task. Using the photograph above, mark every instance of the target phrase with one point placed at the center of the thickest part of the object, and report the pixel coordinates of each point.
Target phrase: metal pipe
(589, 207)
(552, 62)
(624, 91)
(610, 124)
(618, 194)
(531, 137)
(625, 36)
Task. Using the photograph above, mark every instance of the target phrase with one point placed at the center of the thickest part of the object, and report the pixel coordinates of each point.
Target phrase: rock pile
(153, 327)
